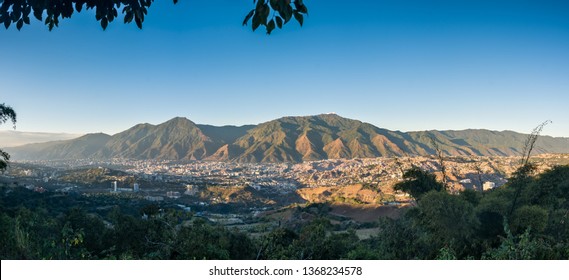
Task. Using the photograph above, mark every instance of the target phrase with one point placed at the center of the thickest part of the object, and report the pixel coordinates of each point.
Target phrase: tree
(523, 174)
(447, 221)
(418, 182)
(269, 13)
(6, 113)
(440, 158)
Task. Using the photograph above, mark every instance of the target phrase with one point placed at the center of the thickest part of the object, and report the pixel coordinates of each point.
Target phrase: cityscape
(271, 186)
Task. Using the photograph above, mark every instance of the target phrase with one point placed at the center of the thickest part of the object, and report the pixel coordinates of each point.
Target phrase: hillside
(177, 139)
(79, 148)
(287, 139)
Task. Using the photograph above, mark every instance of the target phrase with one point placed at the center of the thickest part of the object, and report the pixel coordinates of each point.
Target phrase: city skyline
(401, 66)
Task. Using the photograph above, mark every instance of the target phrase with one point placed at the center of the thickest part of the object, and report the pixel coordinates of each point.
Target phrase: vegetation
(417, 182)
(287, 139)
(6, 114)
(269, 13)
(468, 225)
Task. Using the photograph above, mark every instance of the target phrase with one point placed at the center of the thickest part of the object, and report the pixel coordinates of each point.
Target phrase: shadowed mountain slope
(287, 139)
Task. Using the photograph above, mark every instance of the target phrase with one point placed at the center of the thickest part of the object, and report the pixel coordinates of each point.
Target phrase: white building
(173, 194)
(488, 186)
(191, 190)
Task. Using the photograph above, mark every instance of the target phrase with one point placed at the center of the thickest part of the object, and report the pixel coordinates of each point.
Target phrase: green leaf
(298, 16)
(138, 22)
(128, 17)
(256, 21)
(279, 22)
(274, 4)
(265, 13)
(38, 14)
(300, 6)
(286, 13)
(270, 26)
(104, 23)
(248, 17)
(259, 4)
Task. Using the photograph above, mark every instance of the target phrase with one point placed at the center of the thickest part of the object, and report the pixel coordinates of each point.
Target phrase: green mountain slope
(83, 147)
(287, 139)
(176, 139)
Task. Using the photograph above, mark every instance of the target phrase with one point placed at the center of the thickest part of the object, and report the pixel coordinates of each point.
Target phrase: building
(173, 194)
(466, 181)
(488, 186)
(191, 190)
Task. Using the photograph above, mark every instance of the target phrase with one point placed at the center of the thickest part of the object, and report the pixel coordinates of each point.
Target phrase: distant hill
(14, 138)
(83, 147)
(178, 138)
(287, 139)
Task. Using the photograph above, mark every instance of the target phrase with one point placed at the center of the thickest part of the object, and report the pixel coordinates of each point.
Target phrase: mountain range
(14, 138)
(287, 139)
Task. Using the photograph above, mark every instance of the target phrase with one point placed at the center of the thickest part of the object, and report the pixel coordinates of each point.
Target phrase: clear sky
(400, 65)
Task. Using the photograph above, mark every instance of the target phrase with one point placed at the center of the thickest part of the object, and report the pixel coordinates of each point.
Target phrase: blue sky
(400, 65)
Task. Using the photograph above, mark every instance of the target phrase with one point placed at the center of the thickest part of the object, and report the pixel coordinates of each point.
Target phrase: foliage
(261, 14)
(418, 182)
(6, 113)
(203, 241)
(18, 12)
(446, 221)
(446, 254)
(522, 247)
(550, 189)
(529, 217)
(468, 225)
(397, 240)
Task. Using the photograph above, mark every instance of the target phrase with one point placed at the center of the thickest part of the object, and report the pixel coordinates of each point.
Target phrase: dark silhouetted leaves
(256, 21)
(270, 26)
(17, 11)
(138, 21)
(104, 23)
(281, 10)
(298, 16)
(248, 17)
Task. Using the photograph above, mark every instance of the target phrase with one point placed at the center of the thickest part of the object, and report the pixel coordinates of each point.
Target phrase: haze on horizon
(497, 65)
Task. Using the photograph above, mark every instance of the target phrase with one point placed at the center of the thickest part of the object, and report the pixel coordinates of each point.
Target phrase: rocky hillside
(288, 139)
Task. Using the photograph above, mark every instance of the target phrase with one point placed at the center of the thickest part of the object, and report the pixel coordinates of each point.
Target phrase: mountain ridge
(286, 139)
